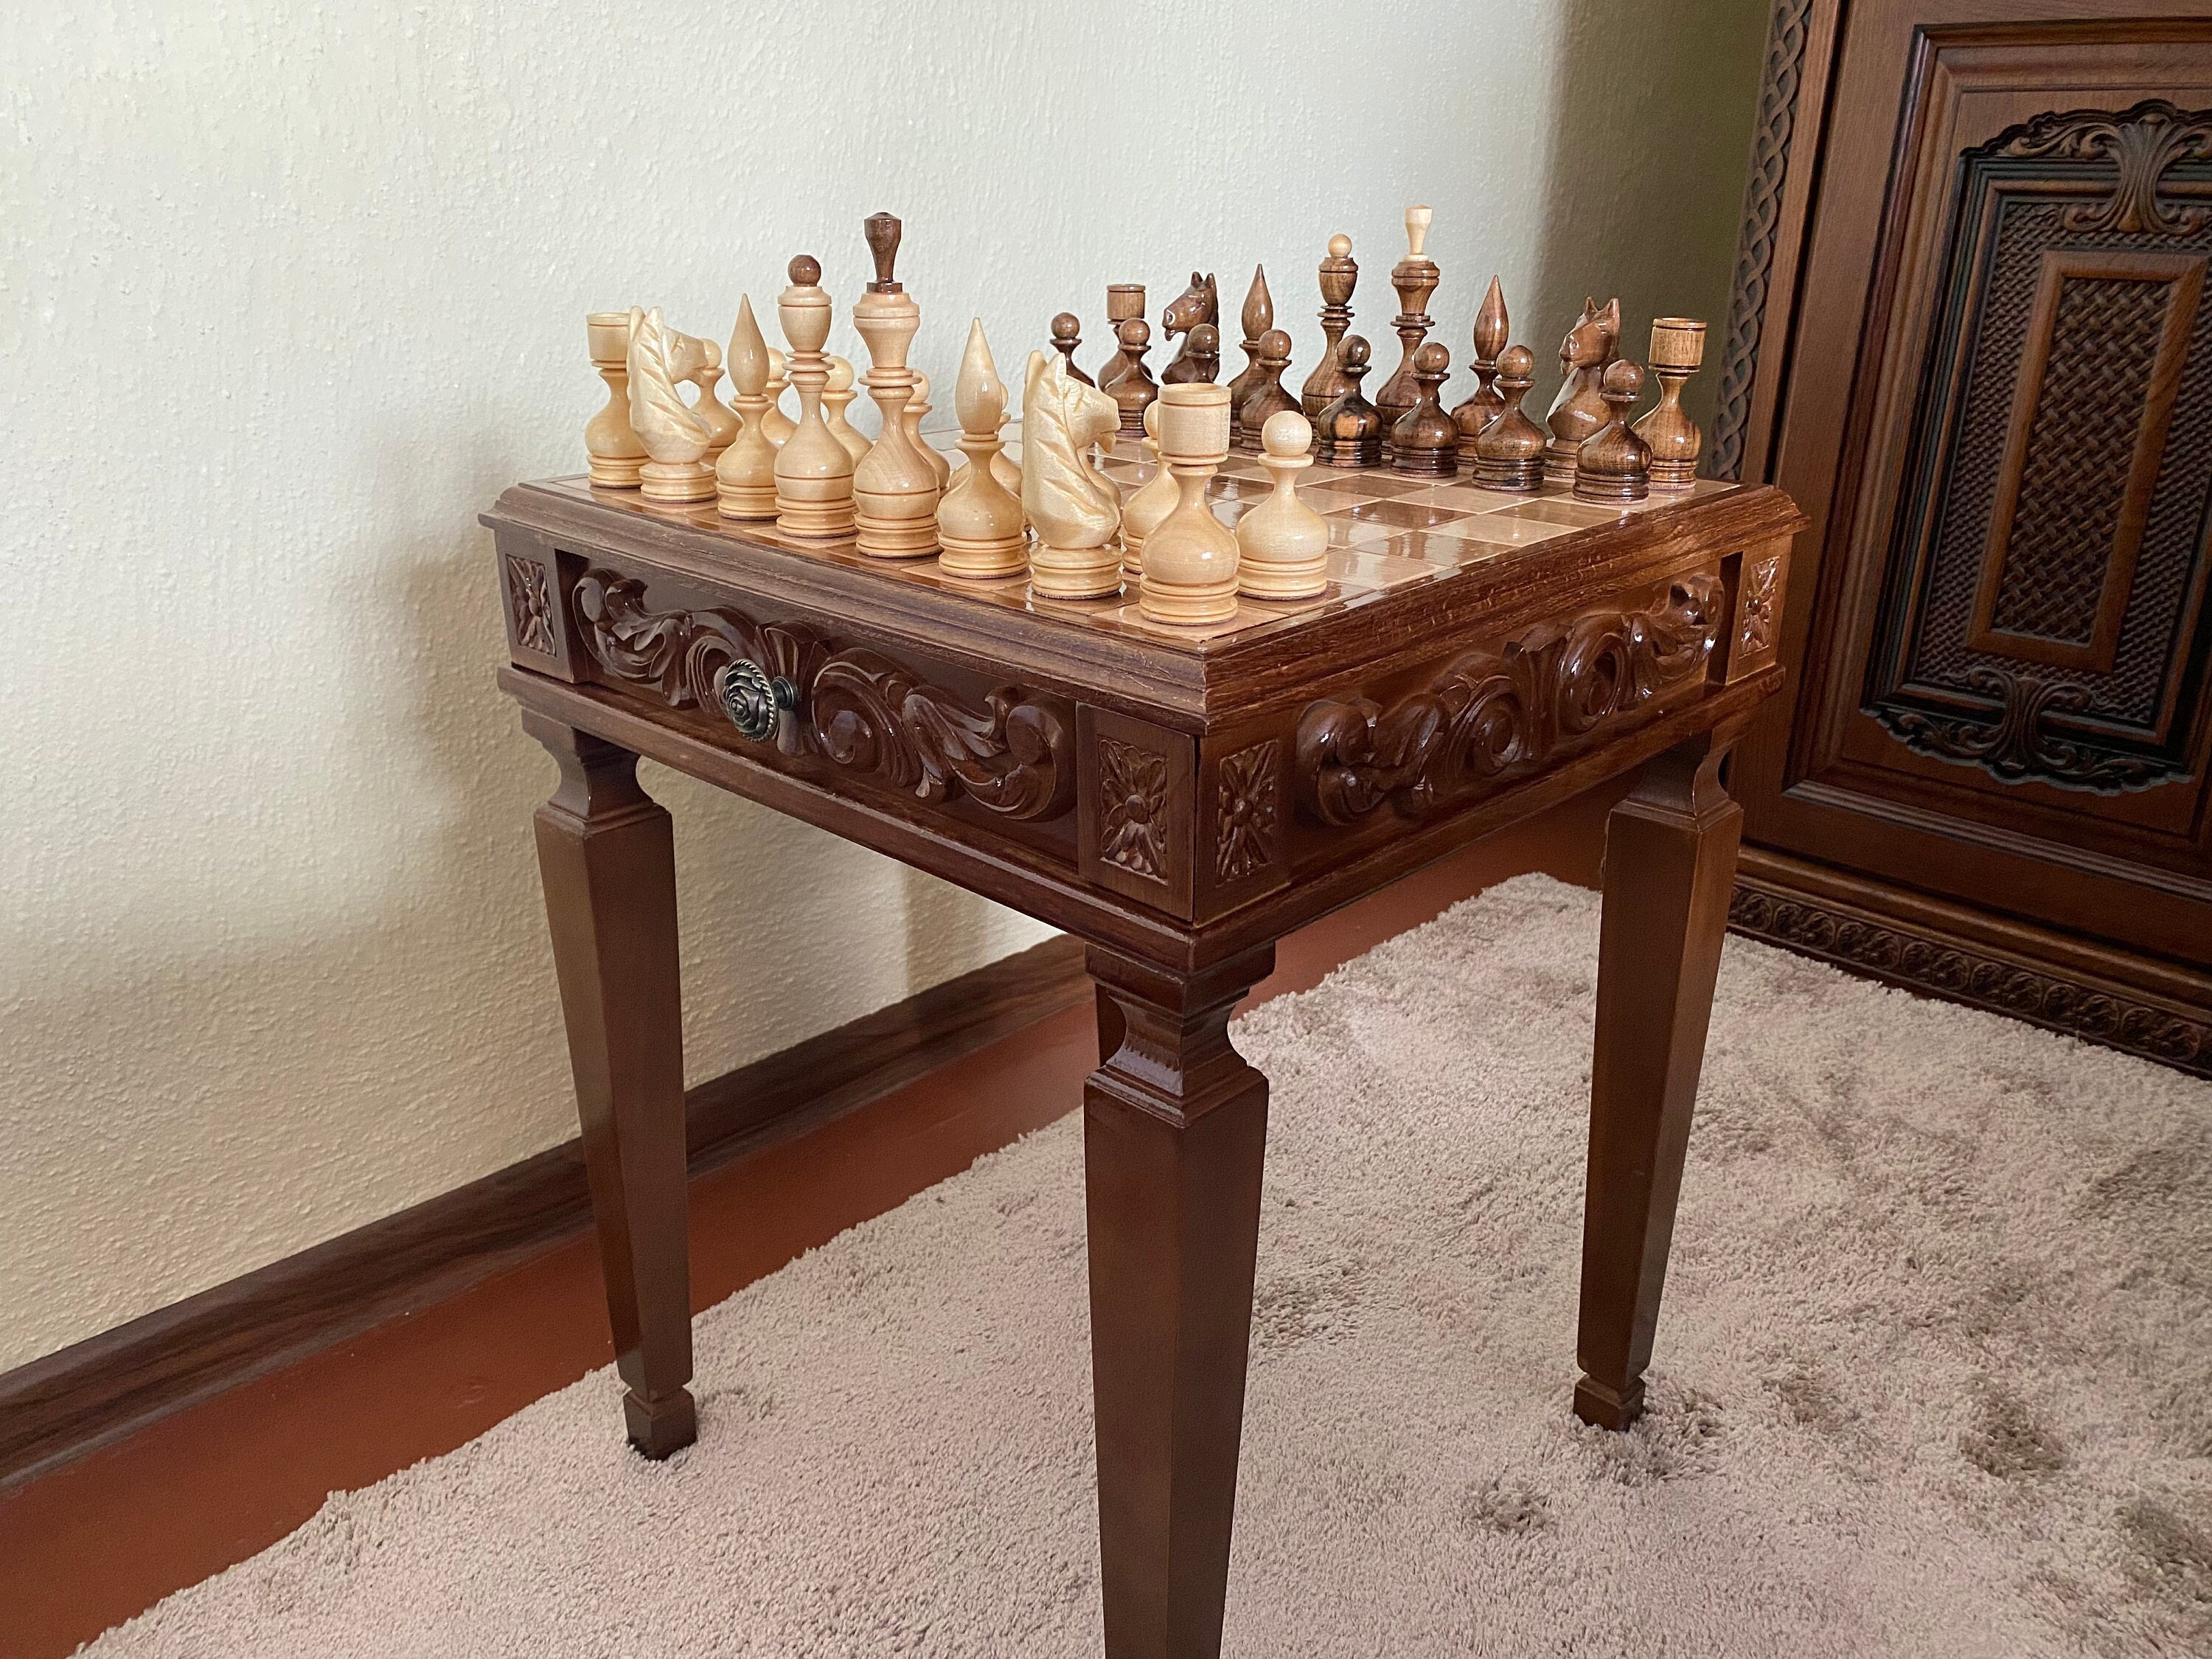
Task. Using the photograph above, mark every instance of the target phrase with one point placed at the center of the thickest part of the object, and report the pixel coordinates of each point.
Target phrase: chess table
(1179, 798)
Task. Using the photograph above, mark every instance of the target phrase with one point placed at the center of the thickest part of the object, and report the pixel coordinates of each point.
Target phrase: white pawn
(1142, 512)
(915, 410)
(837, 398)
(721, 422)
(1282, 545)
(777, 425)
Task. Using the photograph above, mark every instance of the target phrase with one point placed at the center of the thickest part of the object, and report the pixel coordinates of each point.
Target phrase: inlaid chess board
(1387, 530)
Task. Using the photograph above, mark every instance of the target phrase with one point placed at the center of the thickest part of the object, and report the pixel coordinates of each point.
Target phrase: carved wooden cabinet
(1971, 336)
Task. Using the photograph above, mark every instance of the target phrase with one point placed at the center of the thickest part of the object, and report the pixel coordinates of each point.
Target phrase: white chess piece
(1075, 558)
(1283, 544)
(979, 524)
(674, 434)
(1142, 512)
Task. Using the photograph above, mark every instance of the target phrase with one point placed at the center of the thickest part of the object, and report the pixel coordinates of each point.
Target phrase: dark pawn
(1426, 439)
(1134, 387)
(1613, 464)
(1266, 397)
(1065, 337)
(1510, 454)
(1205, 352)
(1349, 430)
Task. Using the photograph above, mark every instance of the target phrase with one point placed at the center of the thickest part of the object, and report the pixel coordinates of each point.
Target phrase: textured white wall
(293, 289)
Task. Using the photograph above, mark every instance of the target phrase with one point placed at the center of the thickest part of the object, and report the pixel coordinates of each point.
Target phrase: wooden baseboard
(85, 1396)
(2157, 1010)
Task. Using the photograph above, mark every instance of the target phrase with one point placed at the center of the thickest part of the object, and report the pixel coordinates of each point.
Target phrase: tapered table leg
(1174, 1133)
(606, 852)
(1669, 861)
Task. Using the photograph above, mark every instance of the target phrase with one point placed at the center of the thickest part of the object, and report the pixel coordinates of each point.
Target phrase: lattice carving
(854, 707)
(1958, 974)
(1488, 715)
(2019, 743)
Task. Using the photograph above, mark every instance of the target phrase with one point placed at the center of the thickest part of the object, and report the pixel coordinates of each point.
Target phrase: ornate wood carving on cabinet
(1992, 391)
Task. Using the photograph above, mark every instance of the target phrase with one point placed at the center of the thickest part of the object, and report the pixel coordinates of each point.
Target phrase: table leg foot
(607, 853)
(1175, 1135)
(1669, 861)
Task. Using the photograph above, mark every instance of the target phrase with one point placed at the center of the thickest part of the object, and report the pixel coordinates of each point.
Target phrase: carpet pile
(1934, 1374)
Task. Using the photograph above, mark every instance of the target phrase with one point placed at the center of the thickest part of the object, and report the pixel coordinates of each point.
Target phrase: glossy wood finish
(1181, 797)
(1175, 1133)
(607, 853)
(1670, 857)
(1995, 411)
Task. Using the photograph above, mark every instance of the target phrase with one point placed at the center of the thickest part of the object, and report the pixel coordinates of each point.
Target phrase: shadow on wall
(1650, 144)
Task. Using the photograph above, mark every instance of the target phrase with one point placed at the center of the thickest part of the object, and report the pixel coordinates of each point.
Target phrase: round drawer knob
(752, 698)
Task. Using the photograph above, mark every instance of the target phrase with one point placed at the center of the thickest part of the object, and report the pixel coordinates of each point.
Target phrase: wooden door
(1979, 355)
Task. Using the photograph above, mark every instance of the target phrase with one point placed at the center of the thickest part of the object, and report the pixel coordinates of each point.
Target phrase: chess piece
(918, 406)
(837, 396)
(1132, 387)
(744, 478)
(616, 453)
(1489, 338)
(1204, 351)
(1579, 409)
(1613, 464)
(675, 435)
(1191, 557)
(1426, 440)
(1351, 427)
(1074, 513)
(813, 473)
(979, 524)
(1678, 346)
(895, 489)
(1510, 454)
(1199, 303)
(1154, 500)
(1259, 316)
(1340, 275)
(1008, 470)
(1267, 396)
(1066, 335)
(721, 424)
(774, 422)
(1123, 302)
(1415, 277)
(1283, 544)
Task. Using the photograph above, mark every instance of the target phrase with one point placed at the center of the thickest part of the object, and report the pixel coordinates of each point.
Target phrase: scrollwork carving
(2142, 142)
(854, 707)
(2015, 743)
(1488, 714)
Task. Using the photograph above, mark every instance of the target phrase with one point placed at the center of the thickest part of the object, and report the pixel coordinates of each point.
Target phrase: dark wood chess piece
(1678, 346)
(1579, 409)
(1134, 387)
(1349, 430)
(1123, 302)
(1415, 278)
(1340, 275)
(1206, 352)
(1258, 318)
(1199, 303)
(1489, 338)
(1065, 337)
(1426, 439)
(1267, 396)
(1613, 464)
(1510, 454)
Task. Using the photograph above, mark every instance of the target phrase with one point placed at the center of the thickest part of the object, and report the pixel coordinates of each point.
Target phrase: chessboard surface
(1387, 530)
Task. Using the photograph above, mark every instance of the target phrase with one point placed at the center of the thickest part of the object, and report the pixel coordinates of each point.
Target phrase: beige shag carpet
(1934, 1375)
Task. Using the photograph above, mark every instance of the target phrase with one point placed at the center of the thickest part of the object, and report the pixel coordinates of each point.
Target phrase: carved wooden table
(1179, 799)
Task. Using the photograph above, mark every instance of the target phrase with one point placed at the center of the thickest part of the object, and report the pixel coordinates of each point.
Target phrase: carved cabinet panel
(1973, 337)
